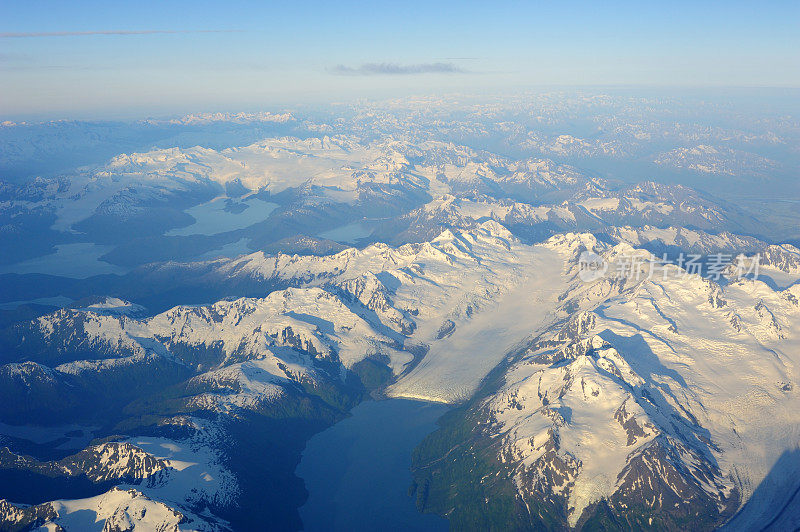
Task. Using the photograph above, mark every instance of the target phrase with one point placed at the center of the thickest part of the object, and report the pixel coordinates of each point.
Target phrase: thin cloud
(8, 58)
(13, 35)
(378, 69)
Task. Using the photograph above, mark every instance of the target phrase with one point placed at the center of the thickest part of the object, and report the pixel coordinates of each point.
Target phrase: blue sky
(247, 55)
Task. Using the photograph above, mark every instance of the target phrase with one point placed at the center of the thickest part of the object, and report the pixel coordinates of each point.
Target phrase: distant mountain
(144, 205)
(706, 159)
(676, 240)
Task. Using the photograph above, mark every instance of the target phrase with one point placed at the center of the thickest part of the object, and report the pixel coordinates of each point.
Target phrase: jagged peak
(571, 242)
(496, 229)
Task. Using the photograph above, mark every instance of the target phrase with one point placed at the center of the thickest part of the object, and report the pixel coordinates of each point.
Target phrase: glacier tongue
(488, 328)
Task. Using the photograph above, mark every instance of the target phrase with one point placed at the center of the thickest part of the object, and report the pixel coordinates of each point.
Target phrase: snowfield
(678, 362)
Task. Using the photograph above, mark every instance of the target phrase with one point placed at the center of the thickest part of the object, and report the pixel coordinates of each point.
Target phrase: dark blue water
(357, 471)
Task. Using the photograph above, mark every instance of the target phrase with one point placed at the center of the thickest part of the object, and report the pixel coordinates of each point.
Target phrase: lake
(357, 471)
(224, 214)
(347, 234)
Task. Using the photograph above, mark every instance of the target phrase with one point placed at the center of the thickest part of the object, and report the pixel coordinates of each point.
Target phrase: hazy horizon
(89, 60)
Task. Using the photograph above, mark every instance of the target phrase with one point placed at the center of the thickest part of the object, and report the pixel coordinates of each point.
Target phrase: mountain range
(179, 319)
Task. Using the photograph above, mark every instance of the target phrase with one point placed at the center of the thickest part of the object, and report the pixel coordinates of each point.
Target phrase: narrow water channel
(357, 471)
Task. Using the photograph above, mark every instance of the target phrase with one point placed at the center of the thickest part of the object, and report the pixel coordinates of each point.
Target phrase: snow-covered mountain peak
(497, 230)
(602, 381)
(113, 306)
(683, 239)
(572, 244)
